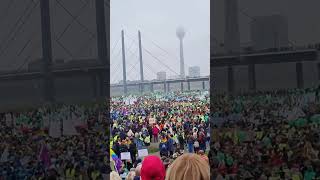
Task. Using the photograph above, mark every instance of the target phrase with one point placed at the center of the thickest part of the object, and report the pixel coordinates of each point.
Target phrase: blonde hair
(114, 176)
(189, 166)
(131, 175)
(138, 170)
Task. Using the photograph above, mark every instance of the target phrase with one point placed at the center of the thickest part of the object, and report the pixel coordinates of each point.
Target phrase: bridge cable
(155, 57)
(12, 30)
(254, 19)
(6, 10)
(145, 63)
(76, 20)
(129, 49)
(19, 28)
(170, 54)
(114, 46)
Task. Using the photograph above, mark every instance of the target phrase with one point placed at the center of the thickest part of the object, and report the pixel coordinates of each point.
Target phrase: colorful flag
(117, 161)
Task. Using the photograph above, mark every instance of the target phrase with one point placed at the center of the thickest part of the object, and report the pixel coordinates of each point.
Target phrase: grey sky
(157, 21)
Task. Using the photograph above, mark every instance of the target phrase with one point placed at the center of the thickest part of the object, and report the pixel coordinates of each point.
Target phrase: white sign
(125, 156)
(68, 127)
(54, 129)
(143, 152)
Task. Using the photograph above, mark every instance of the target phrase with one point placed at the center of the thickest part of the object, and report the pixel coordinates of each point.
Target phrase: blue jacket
(163, 147)
(170, 144)
(139, 144)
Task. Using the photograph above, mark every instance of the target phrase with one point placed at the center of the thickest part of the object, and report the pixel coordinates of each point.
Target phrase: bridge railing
(249, 50)
(157, 81)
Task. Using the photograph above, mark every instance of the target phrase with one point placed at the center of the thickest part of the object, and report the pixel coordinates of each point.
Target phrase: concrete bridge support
(252, 77)
(299, 72)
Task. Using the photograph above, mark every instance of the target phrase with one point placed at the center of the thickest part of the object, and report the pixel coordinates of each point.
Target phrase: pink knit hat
(152, 169)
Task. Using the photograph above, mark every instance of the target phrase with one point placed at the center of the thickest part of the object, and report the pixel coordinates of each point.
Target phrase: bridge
(230, 62)
(166, 83)
(251, 60)
(52, 81)
(91, 79)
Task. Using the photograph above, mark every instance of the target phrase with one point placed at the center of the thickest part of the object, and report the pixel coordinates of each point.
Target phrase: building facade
(194, 71)
(162, 75)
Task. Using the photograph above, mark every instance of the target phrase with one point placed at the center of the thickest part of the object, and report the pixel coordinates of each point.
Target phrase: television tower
(180, 34)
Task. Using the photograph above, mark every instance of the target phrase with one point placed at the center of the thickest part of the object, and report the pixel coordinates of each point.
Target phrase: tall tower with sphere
(180, 34)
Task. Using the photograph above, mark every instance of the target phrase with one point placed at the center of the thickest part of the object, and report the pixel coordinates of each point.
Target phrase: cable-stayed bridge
(86, 76)
(53, 51)
(149, 65)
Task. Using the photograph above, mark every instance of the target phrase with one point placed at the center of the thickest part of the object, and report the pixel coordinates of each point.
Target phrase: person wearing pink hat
(152, 169)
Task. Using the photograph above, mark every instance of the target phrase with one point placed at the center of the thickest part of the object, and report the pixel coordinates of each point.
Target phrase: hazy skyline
(158, 21)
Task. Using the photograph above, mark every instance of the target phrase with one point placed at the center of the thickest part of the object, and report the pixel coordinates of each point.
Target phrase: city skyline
(158, 23)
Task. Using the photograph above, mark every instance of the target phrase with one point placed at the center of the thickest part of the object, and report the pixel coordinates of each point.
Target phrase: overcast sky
(157, 21)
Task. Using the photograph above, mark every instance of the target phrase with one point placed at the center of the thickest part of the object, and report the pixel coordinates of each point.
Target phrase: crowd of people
(187, 166)
(262, 135)
(270, 135)
(72, 141)
(40, 143)
(171, 124)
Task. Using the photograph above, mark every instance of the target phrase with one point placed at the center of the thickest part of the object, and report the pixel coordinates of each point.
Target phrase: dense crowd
(40, 143)
(270, 135)
(172, 124)
(187, 166)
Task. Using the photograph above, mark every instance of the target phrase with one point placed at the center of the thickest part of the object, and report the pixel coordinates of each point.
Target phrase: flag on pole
(117, 161)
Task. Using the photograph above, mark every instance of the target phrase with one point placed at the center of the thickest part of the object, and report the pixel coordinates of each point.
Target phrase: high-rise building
(180, 34)
(194, 71)
(269, 32)
(161, 75)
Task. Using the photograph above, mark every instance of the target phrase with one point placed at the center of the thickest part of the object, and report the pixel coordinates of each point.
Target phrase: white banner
(54, 129)
(69, 128)
(125, 156)
(143, 152)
